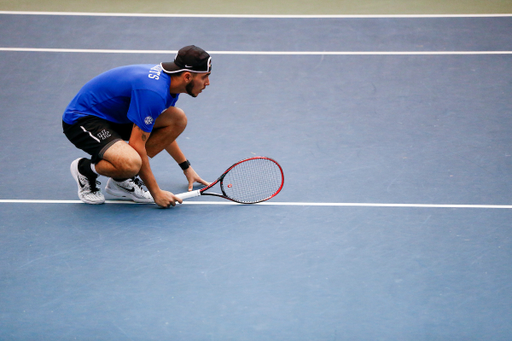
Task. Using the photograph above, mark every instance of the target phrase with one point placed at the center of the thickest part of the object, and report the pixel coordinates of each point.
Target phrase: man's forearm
(174, 150)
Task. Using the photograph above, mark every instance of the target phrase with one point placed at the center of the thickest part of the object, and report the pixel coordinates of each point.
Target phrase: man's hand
(166, 199)
(192, 177)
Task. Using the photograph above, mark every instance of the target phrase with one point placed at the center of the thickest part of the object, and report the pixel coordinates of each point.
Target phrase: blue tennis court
(395, 136)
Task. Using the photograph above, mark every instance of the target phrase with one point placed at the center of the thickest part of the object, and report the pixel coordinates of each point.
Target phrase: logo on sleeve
(148, 120)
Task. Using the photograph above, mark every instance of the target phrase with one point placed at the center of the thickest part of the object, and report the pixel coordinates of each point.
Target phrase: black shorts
(95, 135)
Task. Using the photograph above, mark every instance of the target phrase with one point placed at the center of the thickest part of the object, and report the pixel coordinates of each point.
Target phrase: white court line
(266, 53)
(268, 203)
(262, 16)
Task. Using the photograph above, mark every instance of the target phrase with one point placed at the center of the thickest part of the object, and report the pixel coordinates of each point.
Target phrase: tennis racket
(248, 181)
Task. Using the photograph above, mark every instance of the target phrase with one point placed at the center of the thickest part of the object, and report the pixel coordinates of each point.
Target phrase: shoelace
(94, 186)
(90, 184)
(139, 183)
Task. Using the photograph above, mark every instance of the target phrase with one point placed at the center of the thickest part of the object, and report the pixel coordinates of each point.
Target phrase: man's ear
(187, 76)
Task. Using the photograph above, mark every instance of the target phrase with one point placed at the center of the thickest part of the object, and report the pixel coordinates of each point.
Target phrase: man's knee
(172, 117)
(180, 118)
(168, 126)
(125, 160)
(131, 167)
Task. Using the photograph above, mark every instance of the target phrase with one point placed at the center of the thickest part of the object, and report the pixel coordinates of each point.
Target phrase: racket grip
(188, 195)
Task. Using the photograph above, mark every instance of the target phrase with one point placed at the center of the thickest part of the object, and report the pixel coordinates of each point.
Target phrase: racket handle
(188, 195)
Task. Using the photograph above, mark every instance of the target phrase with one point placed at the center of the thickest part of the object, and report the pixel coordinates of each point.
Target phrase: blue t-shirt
(128, 94)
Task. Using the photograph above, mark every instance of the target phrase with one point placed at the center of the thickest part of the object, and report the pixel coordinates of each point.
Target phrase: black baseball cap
(189, 58)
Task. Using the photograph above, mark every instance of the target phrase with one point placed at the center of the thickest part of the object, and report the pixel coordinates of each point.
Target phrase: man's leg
(168, 126)
(92, 135)
(120, 161)
(111, 156)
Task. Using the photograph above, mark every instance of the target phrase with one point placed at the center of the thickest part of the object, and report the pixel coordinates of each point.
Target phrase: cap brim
(170, 67)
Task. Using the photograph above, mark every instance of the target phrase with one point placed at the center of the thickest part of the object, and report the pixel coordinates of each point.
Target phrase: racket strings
(253, 180)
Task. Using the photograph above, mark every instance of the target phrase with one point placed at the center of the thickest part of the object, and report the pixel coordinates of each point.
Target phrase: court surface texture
(395, 136)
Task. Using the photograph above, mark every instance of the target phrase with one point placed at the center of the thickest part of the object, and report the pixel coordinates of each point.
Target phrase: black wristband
(185, 164)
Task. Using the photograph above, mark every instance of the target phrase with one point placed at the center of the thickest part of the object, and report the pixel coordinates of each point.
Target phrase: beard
(189, 88)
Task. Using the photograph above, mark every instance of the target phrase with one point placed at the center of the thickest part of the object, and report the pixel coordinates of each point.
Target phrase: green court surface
(290, 7)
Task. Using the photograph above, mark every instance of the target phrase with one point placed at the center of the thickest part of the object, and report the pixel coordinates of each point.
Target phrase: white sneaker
(88, 191)
(130, 188)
